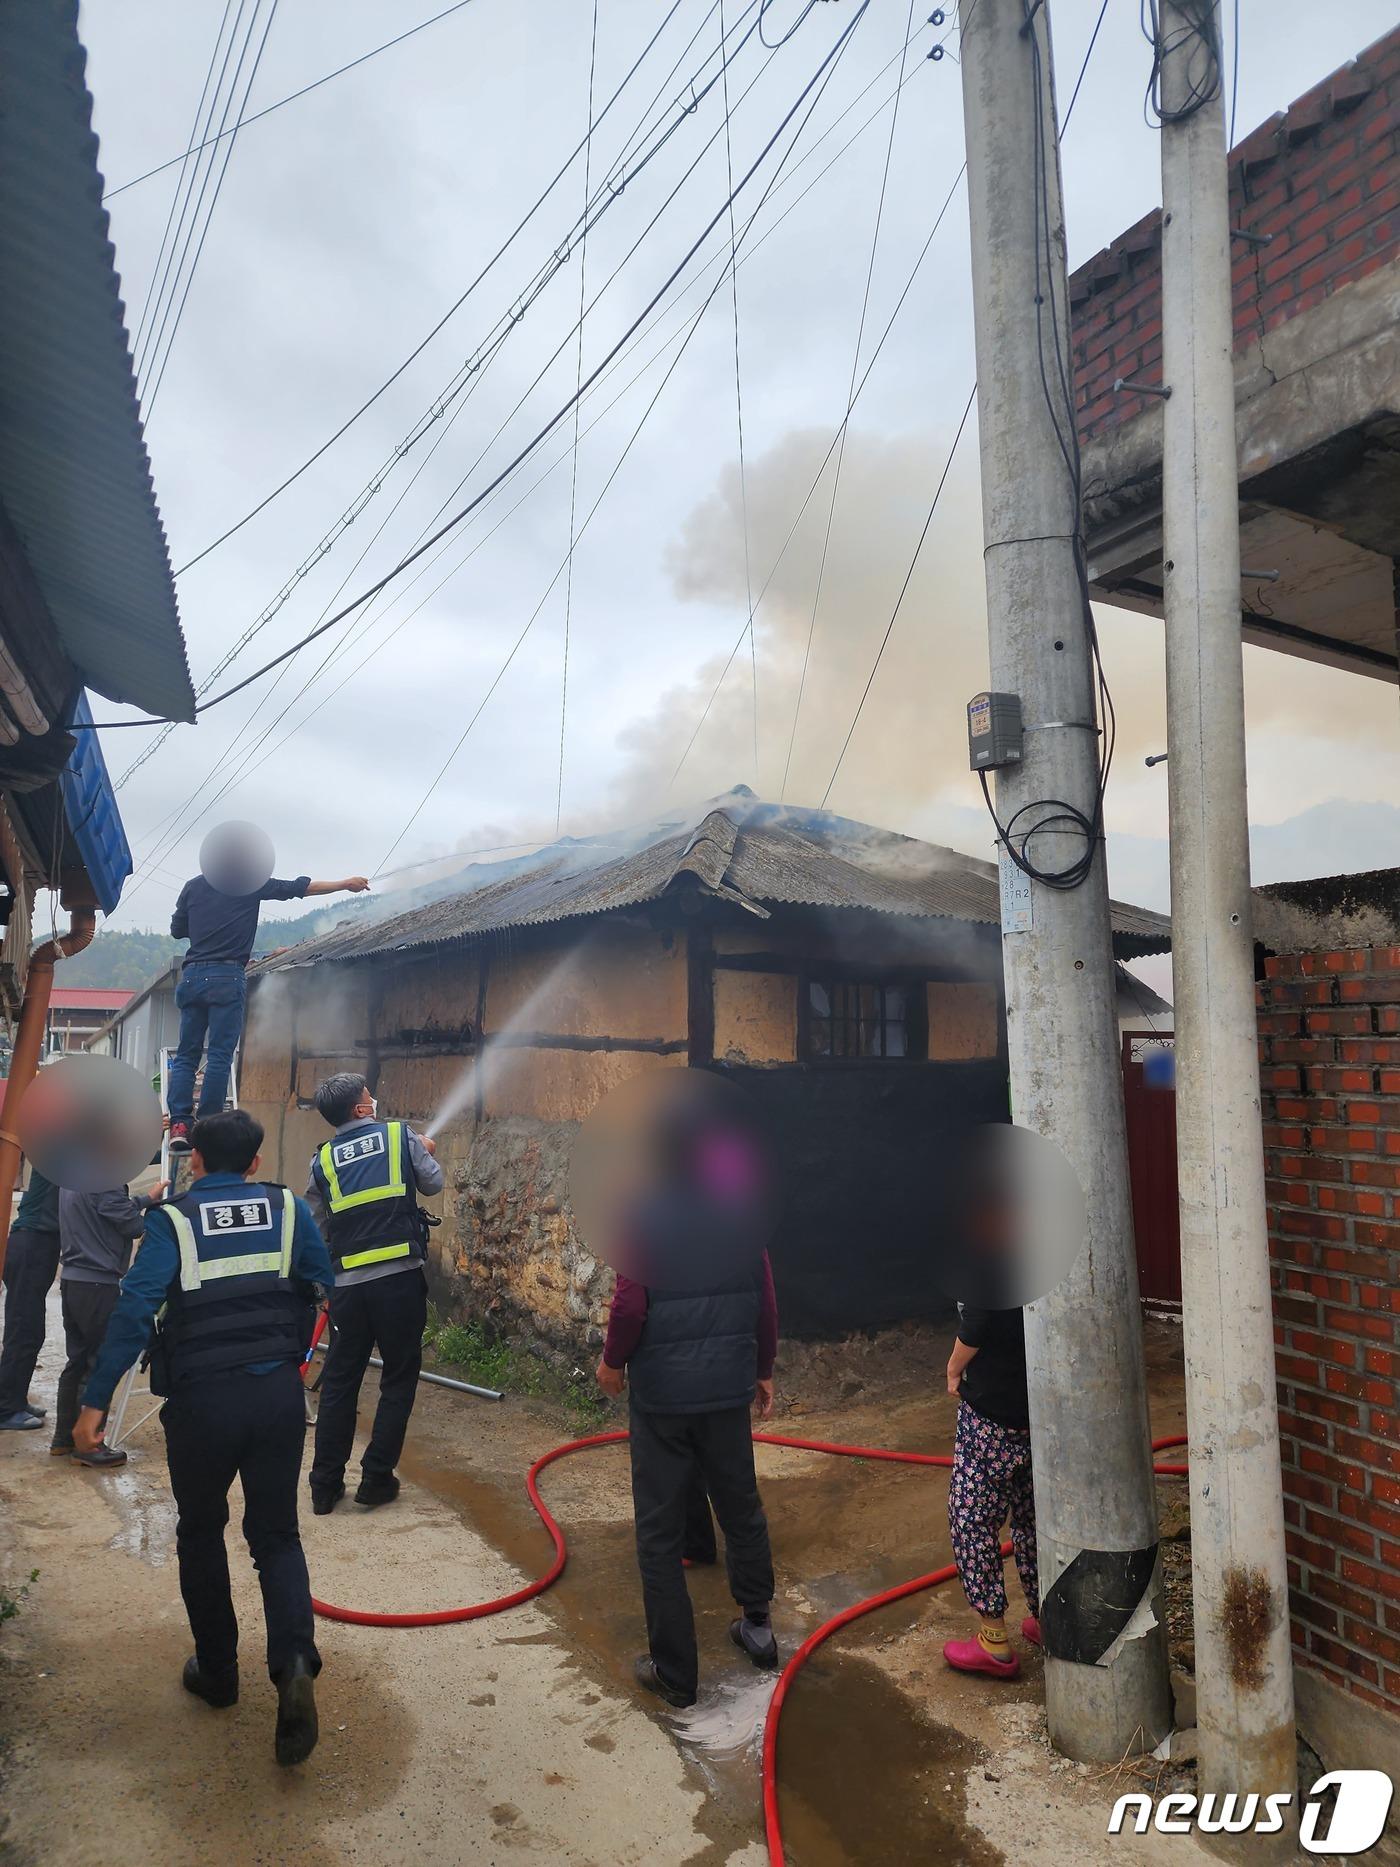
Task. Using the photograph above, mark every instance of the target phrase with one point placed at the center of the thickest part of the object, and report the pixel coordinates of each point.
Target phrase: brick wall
(1329, 1027)
(1323, 178)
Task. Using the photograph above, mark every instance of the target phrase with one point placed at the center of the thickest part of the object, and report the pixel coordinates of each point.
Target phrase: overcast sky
(349, 223)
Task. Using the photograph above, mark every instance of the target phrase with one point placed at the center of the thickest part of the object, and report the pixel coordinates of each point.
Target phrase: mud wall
(520, 1041)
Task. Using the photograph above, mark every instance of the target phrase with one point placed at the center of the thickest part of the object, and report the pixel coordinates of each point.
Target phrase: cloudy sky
(348, 224)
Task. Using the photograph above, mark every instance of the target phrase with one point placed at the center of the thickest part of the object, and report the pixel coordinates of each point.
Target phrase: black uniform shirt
(994, 1381)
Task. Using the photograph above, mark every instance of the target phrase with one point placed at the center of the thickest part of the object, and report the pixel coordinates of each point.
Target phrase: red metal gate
(1151, 1113)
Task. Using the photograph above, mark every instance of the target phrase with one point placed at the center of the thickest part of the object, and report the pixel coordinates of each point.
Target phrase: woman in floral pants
(991, 1481)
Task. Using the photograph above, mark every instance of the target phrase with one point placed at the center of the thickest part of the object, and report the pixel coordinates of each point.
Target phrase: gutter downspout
(29, 1040)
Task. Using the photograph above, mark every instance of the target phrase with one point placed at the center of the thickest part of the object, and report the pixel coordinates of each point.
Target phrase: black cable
(825, 71)
(183, 161)
(739, 406)
(230, 751)
(467, 377)
(1078, 83)
(850, 390)
(543, 433)
(291, 98)
(155, 291)
(451, 312)
(1234, 75)
(774, 44)
(578, 388)
(1055, 814)
(903, 592)
(821, 469)
(248, 765)
(148, 400)
(1199, 40)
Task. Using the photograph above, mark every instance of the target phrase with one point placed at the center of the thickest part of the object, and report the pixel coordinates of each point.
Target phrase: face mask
(373, 1107)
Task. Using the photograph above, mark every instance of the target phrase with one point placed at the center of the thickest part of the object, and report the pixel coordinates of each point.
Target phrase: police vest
(370, 1198)
(234, 1302)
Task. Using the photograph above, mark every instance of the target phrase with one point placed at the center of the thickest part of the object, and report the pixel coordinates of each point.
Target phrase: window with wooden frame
(863, 1020)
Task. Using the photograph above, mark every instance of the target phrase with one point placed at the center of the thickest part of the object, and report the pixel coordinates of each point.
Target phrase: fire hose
(476, 1611)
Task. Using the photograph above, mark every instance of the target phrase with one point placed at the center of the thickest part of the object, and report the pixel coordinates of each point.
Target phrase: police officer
(235, 1263)
(363, 1188)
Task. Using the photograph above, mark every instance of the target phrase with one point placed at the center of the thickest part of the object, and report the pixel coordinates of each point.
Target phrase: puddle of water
(866, 1779)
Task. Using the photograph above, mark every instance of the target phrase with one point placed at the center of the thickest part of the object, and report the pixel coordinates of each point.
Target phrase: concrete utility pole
(1105, 1671)
(1244, 1673)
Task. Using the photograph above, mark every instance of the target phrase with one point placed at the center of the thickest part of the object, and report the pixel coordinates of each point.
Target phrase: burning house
(848, 978)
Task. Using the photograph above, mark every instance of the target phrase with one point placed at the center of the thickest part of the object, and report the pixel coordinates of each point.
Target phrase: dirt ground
(521, 1737)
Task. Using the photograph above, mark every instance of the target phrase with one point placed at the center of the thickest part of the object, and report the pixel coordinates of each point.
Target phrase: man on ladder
(363, 1191)
(212, 993)
(231, 1267)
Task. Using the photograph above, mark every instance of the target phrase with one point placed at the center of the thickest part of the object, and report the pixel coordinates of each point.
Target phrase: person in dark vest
(363, 1190)
(31, 1264)
(235, 1262)
(696, 1362)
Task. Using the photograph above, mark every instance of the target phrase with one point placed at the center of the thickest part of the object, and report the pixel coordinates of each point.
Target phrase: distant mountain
(121, 960)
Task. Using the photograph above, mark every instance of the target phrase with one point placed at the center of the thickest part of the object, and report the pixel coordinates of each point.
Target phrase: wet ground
(523, 1735)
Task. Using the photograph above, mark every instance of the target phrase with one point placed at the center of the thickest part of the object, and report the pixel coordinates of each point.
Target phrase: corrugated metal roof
(75, 477)
(753, 853)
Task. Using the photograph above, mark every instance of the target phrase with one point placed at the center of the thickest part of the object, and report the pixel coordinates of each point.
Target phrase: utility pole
(1244, 1672)
(1102, 1618)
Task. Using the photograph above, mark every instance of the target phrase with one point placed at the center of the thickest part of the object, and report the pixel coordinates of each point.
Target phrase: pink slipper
(970, 1656)
(1030, 1631)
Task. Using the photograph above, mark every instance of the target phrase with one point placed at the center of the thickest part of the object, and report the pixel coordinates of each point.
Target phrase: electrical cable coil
(443, 1617)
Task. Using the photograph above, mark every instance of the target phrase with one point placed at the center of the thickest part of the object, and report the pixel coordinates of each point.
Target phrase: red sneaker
(1030, 1631)
(970, 1656)
(179, 1137)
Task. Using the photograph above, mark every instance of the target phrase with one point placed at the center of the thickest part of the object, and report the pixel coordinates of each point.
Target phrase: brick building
(1329, 1022)
(1315, 195)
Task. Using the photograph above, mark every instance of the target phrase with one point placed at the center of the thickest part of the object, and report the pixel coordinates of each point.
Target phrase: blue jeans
(211, 996)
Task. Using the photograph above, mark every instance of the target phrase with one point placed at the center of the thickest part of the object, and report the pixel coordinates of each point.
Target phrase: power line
(466, 378)
(250, 761)
(825, 461)
(282, 102)
(148, 399)
(578, 397)
(899, 600)
(230, 752)
(739, 412)
(248, 765)
(821, 78)
(184, 187)
(543, 433)
(894, 616)
(850, 392)
(451, 312)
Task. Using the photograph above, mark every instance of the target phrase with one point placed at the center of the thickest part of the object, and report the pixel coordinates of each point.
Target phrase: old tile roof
(755, 855)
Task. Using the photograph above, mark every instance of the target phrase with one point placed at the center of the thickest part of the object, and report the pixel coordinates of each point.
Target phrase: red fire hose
(479, 1610)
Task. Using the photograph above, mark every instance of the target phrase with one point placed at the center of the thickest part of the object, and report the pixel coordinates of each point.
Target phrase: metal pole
(437, 1380)
(1105, 1672)
(1244, 1674)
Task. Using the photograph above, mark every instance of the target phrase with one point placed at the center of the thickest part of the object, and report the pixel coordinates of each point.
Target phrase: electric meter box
(994, 734)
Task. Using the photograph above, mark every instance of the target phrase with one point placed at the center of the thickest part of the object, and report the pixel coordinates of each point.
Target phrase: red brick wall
(1322, 177)
(1329, 1027)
